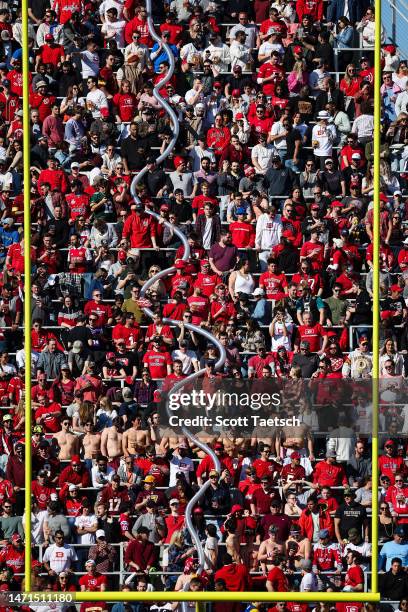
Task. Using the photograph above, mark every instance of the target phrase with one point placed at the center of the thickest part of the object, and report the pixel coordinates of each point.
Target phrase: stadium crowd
(271, 181)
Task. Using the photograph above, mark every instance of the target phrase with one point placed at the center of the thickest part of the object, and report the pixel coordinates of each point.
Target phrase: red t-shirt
(354, 576)
(93, 583)
(274, 284)
(126, 104)
(157, 363)
(278, 580)
(313, 334)
(78, 205)
(207, 283)
(51, 423)
(102, 311)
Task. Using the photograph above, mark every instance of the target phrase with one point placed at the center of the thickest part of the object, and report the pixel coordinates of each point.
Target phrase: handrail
(168, 272)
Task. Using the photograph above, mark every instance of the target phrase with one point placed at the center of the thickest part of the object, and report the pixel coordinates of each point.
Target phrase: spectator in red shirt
(92, 580)
(329, 473)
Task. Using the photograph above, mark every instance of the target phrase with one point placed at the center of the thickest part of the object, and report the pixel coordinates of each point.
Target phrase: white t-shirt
(98, 99)
(86, 522)
(60, 558)
(278, 339)
(180, 464)
(187, 358)
(118, 28)
(324, 135)
(89, 64)
(37, 526)
(210, 545)
(309, 583)
(263, 155)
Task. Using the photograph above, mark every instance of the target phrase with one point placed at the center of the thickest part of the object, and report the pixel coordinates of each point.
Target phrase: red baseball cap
(180, 264)
(236, 508)
(295, 455)
(383, 197)
(110, 355)
(239, 116)
(337, 204)
(236, 93)
(297, 49)
(396, 287)
(204, 262)
(49, 37)
(178, 160)
(389, 443)
(315, 207)
(75, 459)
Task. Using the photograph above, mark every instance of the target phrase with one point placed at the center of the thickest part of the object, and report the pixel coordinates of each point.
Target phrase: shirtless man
(233, 438)
(91, 441)
(158, 434)
(295, 437)
(268, 549)
(68, 442)
(304, 550)
(111, 441)
(268, 436)
(135, 439)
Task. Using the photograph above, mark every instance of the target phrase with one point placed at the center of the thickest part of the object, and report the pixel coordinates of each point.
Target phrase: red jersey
(114, 498)
(199, 306)
(174, 30)
(77, 257)
(78, 205)
(278, 579)
(130, 335)
(199, 201)
(261, 125)
(14, 559)
(124, 523)
(16, 81)
(313, 334)
(290, 472)
(42, 493)
(102, 311)
(314, 251)
(256, 364)
(326, 558)
(273, 284)
(139, 229)
(140, 26)
(157, 363)
(126, 104)
(313, 281)
(389, 466)
(398, 497)
(56, 178)
(310, 7)
(207, 283)
(279, 26)
(268, 70)
(243, 234)
(329, 474)
(10, 106)
(51, 423)
(228, 311)
(6, 491)
(51, 54)
(65, 8)
(266, 468)
(173, 523)
(176, 281)
(73, 507)
(347, 606)
(354, 576)
(43, 104)
(218, 138)
(93, 582)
